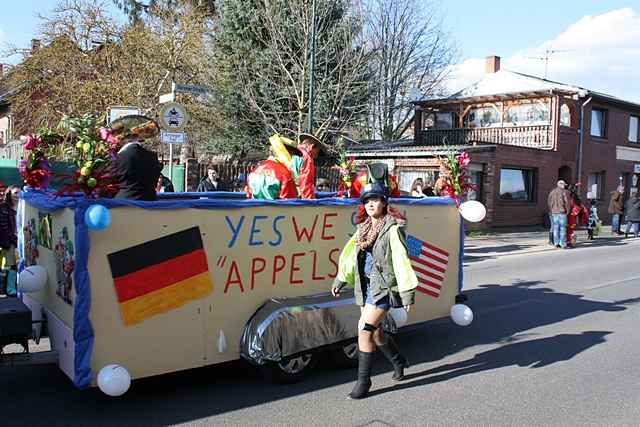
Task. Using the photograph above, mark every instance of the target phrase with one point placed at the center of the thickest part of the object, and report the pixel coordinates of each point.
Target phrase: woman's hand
(407, 308)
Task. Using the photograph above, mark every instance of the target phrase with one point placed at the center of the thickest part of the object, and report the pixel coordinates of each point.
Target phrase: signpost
(173, 117)
(117, 111)
(198, 90)
(172, 137)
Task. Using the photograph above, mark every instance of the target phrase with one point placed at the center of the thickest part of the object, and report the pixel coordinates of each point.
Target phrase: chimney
(35, 45)
(492, 64)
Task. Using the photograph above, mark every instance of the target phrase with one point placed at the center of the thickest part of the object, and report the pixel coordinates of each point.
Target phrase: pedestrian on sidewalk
(375, 262)
(559, 206)
(594, 220)
(616, 208)
(633, 215)
(578, 215)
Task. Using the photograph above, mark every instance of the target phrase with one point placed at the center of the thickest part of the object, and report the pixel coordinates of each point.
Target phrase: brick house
(523, 134)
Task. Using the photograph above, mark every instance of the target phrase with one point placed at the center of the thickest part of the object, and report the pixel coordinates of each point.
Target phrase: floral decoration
(35, 169)
(453, 179)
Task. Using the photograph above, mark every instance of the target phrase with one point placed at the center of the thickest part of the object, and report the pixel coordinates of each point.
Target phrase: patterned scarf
(368, 233)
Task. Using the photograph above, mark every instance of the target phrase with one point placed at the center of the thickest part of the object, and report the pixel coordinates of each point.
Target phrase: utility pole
(312, 61)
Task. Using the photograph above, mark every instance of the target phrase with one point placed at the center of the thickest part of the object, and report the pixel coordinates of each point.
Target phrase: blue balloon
(97, 217)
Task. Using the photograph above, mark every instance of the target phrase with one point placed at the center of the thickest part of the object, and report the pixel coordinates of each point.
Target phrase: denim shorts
(382, 304)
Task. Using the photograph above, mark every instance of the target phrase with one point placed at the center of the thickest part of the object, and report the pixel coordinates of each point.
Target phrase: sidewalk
(499, 244)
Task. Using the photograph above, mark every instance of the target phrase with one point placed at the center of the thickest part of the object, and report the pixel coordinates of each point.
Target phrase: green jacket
(391, 274)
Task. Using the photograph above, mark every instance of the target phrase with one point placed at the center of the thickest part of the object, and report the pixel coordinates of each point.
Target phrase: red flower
(30, 141)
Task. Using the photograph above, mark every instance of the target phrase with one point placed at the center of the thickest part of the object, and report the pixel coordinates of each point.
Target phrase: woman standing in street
(376, 263)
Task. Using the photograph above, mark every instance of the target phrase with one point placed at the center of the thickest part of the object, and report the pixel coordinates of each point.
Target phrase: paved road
(554, 343)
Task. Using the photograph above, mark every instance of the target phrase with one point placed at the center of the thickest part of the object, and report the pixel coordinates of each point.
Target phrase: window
(598, 123)
(595, 186)
(565, 115)
(408, 176)
(475, 174)
(633, 129)
(482, 117)
(517, 184)
(528, 114)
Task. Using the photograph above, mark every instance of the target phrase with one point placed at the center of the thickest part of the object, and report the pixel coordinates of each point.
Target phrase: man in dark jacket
(210, 182)
(616, 209)
(137, 170)
(559, 206)
(633, 215)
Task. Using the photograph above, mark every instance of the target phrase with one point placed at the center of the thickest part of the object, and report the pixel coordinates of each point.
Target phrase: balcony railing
(539, 137)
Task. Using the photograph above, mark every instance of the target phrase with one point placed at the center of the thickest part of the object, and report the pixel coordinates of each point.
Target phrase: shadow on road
(510, 247)
(503, 315)
(535, 353)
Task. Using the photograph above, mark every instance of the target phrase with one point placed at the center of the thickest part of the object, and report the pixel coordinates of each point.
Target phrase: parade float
(131, 289)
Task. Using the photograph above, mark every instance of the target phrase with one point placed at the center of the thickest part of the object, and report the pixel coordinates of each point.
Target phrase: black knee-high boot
(392, 353)
(361, 389)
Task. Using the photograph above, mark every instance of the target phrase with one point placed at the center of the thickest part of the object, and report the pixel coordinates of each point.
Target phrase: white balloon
(461, 315)
(399, 316)
(473, 211)
(114, 380)
(32, 279)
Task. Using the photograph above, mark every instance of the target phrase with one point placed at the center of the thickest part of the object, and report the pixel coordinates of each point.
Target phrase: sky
(597, 42)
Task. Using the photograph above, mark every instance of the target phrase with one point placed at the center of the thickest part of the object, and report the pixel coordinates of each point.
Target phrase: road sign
(167, 97)
(173, 117)
(172, 137)
(198, 90)
(115, 112)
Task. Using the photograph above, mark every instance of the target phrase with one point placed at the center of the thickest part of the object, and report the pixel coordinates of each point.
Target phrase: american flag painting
(430, 264)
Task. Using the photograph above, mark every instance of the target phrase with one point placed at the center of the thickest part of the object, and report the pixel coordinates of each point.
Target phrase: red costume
(361, 180)
(578, 215)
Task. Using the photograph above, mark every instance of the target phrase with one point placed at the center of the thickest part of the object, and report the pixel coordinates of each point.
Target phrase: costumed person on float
(351, 183)
(136, 168)
(289, 172)
(375, 262)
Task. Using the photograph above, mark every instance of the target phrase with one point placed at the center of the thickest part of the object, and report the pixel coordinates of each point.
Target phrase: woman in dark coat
(633, 215)
(8, 232)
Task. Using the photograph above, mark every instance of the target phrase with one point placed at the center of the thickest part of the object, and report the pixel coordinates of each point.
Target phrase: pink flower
(106, 135)
(463, 159)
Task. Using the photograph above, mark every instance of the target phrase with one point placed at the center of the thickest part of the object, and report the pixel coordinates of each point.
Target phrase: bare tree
(412, 55)
(274, 77)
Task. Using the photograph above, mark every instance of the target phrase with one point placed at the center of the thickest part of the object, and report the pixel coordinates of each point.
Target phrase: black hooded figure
(136, 168)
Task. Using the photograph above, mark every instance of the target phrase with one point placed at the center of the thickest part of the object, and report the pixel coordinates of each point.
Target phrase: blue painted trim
(51, 202)
(461, 256)
(82, 329)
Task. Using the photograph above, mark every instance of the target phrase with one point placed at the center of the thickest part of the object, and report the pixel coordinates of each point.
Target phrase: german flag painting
(159, 275)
